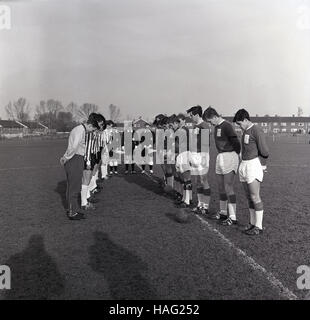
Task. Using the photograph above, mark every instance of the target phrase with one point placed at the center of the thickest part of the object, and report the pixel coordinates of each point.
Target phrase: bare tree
(73, 108)
(85, 110)
(18, 110)
(300, 112)
(47, 112)
(50, 106)
(54, 106)
(114, 112)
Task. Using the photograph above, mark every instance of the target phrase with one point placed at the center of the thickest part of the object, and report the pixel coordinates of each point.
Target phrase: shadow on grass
(122, 270)
(145, 182)
(61, 189)
(34, 274)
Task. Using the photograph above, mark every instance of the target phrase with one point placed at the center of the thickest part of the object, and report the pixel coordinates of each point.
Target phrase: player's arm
(262, 147)
(263, 150)
(233, 138)
(76, 135)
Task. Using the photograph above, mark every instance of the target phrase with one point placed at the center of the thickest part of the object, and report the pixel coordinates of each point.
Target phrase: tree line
(53, 114)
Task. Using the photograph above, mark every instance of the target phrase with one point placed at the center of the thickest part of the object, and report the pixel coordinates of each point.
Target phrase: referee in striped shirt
(73, 162)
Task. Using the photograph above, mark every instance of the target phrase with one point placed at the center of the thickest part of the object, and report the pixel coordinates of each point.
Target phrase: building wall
(288, 126)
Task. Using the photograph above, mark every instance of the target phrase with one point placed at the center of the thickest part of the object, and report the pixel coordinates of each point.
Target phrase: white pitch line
(29, 168)
(275, 283)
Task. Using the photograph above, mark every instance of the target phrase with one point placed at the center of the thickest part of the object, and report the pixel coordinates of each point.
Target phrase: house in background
(140, 123)
(17, 129)
(35, 128)
(280, 125)
(11, 129)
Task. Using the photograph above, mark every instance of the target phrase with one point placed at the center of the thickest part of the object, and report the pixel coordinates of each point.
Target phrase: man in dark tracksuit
(73, 162)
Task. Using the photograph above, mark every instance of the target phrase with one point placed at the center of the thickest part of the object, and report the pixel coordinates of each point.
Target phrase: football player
(227, 162)
(251, 170)
(200, 158)
(183, 168)
(73, 162)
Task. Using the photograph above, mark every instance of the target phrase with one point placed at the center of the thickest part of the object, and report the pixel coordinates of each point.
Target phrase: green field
(132, 247)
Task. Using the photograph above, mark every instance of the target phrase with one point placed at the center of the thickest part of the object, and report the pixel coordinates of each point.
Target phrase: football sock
(170, 181)
(184, 194)
(188, 191)
(252, 212)
(252, 217)
(84, 195)
(88, 192)
(259, 219)
(223, 204)
(259, 211)
(104, 171)
(232, 206)
(92, 184)
(204, 197)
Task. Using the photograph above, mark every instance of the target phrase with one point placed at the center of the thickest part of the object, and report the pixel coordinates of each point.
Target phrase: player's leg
(229, 179)
(251, 206)
(163, 168)
(222, 214)
(254, 189)
(169, 175)
(151, 163)
(203, 192)
(85, 182)
(187, 187)
(151, 168)
(74, 173)
(85, 192)
(110, 168)
(115, 164)
(93, 181)
(177, 184)
(133, 170)
(104, 164)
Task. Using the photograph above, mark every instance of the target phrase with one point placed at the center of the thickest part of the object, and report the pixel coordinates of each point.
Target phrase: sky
(158, 56)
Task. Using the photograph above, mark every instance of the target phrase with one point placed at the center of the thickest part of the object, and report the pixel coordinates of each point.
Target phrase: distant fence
(19, 133)
(289, 138)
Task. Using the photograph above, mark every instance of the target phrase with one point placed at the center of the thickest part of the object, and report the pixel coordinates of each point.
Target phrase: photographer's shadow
(122, 270)
(34, 274)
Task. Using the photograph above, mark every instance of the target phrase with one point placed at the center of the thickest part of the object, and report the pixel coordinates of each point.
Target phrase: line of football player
(246, 157)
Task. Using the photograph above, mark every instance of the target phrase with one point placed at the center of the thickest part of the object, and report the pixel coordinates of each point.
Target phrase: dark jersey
(181, 140)
(200, 137)
(225, 137)
(254, 144)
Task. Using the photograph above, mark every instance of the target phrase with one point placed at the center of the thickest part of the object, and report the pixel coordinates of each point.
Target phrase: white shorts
(199, 162)
(128, 159)
(105, 157)
(182, 162)
(227, 162)
(251, 170)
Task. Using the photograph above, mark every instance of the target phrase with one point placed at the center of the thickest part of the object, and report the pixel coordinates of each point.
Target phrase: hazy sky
(159, 56)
